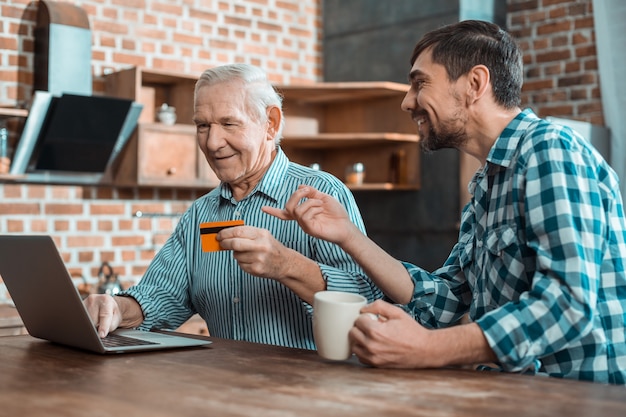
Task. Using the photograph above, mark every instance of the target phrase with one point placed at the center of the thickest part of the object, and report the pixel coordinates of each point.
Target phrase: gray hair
(259, 90)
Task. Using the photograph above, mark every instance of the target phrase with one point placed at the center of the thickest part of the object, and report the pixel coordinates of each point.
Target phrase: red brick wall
(95, 224)
(561, 67)
(282, 36)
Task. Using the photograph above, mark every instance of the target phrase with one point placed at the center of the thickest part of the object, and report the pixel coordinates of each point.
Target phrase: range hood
(73, 138)
(70, 135)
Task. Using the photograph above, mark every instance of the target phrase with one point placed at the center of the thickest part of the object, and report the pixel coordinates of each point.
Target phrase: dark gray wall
(372, 40)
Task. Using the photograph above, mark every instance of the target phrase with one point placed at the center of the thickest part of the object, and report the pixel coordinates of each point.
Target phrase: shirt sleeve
(163, 292)
(565, 212)
(442, 297)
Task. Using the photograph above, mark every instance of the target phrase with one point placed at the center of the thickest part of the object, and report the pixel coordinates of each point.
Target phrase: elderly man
(260, 287)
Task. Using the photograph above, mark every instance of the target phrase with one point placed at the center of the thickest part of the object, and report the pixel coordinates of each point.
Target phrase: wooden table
(230, 378)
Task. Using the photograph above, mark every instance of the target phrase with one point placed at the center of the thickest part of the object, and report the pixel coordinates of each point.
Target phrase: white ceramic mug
(334, 313)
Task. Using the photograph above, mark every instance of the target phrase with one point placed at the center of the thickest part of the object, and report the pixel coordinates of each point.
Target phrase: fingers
(372, 316)
(247, 239)
(239, 238)
(359, 339)
(91, 304)
(277, 212)
(105, 319)
(303, 192)
(101, 309)
(367, 321)
(256, 250)
(367, 336)
(383, 310)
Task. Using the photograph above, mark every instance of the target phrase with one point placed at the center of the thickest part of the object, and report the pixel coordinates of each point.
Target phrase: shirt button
(237, 214)
(235, 300)
(479, 243)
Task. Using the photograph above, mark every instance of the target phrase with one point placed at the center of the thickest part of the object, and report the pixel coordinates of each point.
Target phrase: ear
(478, 83)
(274, 117)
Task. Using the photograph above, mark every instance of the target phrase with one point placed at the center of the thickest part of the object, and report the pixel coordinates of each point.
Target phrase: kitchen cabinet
(162, 155)
(153, 88)
(334, 125)
(159, 154)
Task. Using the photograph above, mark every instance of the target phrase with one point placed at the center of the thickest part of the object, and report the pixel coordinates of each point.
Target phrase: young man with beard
(539, 264)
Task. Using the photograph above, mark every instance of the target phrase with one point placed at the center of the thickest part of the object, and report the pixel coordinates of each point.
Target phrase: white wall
(610, 27)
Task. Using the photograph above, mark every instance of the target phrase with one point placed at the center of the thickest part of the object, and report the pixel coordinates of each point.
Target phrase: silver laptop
(51, 307)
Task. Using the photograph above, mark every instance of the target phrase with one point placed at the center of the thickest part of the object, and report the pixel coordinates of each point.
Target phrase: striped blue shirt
(182, 280)
(539, 263)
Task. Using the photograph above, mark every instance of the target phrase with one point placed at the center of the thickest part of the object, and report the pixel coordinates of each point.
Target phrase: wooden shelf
(341, 140)
(381, 186)
(11, 177)
(339, 124)
(152, 88)
(324, 93)
(332, 124)
(11, 112)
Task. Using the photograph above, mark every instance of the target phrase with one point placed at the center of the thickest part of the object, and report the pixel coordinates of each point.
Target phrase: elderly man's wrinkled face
(237, 145)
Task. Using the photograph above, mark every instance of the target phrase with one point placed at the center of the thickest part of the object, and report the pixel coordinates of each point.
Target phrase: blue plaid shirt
(539, 264)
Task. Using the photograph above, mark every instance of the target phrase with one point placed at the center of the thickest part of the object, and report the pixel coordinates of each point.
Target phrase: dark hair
(461, 46)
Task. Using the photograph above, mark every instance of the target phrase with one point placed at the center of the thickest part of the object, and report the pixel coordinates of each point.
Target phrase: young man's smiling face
(436, 104)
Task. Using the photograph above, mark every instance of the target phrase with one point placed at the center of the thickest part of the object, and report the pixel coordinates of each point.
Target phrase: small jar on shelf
(355, 174)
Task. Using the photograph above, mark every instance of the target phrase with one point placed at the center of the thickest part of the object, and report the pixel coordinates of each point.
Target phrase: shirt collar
(503, 149)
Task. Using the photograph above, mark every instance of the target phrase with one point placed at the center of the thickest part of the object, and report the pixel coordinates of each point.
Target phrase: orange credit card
(209, 231)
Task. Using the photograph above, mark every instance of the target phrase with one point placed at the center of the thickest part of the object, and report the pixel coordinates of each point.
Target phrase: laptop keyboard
(116, 340)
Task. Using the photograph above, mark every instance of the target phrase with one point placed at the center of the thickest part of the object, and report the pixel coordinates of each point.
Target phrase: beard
(450, 135)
